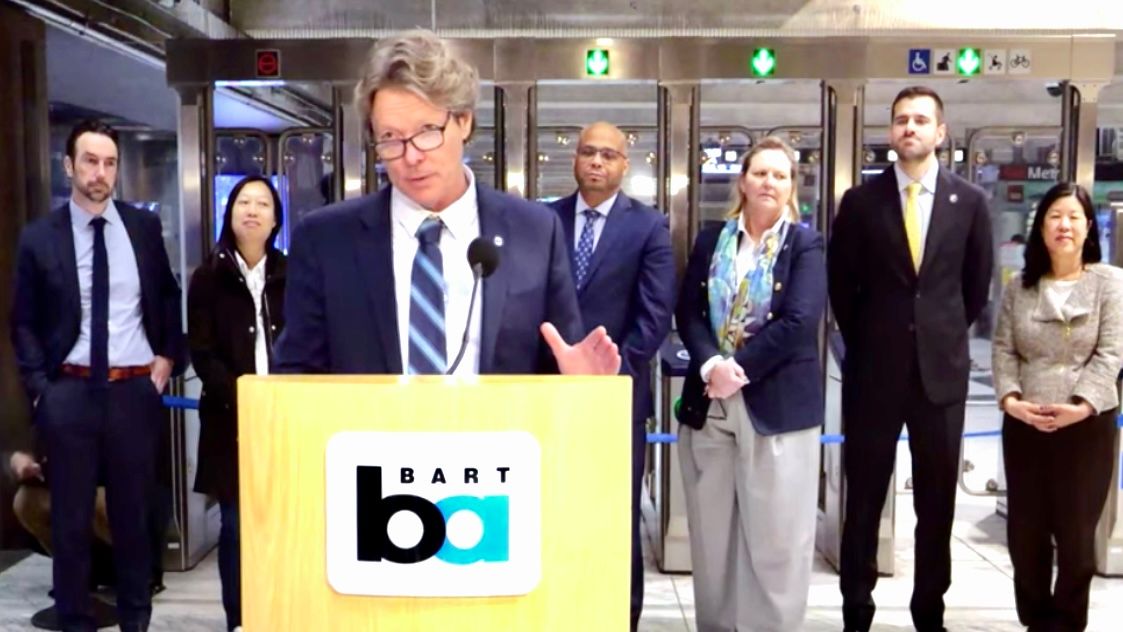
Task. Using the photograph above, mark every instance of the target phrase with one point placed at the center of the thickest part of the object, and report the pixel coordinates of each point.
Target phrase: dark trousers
(159, 515)
(639, 450)
(935, 433)
(1057, 484)
(109, 430)
(230, 564)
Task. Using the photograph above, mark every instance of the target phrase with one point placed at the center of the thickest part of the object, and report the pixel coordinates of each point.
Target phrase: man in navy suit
(381, 284)
(624, 270)
(97, 332)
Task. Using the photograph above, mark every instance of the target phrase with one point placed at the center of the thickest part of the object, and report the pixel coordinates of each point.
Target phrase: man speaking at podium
(382, 284)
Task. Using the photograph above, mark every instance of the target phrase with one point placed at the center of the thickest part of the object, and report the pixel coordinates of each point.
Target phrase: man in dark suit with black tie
(909, 268)
(624, 271)
(97, 333)
(381, 284)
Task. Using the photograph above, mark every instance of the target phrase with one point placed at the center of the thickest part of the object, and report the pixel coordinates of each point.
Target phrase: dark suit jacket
(629, 288)
(891, 319)
(781, 361)
(47, 311)
(340, 308)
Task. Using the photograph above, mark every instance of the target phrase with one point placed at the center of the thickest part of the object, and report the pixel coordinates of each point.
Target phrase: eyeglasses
(609, 155)
(427, 139)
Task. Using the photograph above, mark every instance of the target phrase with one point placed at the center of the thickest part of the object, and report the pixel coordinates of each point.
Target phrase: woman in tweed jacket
(1057, 353)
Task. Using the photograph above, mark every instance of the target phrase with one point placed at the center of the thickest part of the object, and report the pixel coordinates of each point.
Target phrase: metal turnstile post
(665, 515)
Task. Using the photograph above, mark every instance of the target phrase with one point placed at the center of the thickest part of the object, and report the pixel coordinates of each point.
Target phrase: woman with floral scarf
(752, 403)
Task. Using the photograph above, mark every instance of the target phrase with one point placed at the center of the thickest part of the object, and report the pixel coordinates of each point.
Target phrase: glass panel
(479, 155)
(1108, 191)
(1015, 167)
(564, 108)
(737, 114)
(244, 154)
(307, 169)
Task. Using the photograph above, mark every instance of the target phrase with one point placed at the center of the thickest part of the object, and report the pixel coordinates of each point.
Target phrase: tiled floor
(981, 596)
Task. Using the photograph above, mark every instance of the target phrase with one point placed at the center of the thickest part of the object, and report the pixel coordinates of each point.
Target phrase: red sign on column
(268, 64)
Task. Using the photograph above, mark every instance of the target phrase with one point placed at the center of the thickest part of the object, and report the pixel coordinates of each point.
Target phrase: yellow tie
(912, 223)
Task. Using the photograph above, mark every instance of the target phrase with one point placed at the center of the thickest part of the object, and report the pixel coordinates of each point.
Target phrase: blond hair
(422, 63)
(737, 197)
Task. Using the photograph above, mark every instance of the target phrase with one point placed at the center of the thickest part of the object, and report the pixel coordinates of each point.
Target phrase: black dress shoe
(46, 619)
(105, 616)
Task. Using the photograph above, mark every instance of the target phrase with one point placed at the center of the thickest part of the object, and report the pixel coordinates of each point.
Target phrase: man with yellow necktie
(909, 268)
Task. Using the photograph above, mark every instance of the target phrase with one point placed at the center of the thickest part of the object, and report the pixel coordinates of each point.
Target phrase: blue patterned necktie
(584, 253)
(99, 307)
(427, 355)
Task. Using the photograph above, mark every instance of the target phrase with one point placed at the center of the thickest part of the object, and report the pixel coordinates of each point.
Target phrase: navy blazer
(340, 308)
(629, 287)
(781, 361)
(47, 307)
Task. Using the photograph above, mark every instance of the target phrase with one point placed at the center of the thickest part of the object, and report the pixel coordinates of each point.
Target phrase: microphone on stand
(483, 256)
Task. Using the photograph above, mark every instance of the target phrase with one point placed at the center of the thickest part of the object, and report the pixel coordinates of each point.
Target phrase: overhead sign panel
(596, 62)
(920, 61)
(1020, 61)
(944, 61)
(268, 63)
(969, 62)
(994, 61)
(763, 62)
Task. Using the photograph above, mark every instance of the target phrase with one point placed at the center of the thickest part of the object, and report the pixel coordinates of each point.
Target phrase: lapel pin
(953, 198)
(498, 241)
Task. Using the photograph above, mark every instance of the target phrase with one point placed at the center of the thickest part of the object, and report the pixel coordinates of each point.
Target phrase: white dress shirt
(924, 198)
(461, 225)
(579, 225)
(128, 342)
(255, 283)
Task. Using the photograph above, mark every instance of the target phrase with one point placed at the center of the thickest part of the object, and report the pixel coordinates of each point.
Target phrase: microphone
(483, 256)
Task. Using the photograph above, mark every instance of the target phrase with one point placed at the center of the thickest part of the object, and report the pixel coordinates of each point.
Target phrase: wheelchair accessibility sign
(920, 61)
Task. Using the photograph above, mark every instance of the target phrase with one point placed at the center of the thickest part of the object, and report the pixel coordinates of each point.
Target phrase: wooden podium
(582, 427)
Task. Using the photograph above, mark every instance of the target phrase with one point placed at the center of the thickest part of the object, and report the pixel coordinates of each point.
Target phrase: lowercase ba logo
(433, 514)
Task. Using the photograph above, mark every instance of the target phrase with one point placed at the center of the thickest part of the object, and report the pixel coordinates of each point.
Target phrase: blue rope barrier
(185, 403)
(188, 403)
(828, 439)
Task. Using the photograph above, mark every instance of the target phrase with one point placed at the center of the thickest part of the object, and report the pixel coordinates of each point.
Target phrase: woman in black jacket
(234, 313)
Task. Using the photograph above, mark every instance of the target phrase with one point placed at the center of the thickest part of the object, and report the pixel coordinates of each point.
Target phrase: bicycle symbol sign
(1020, 61)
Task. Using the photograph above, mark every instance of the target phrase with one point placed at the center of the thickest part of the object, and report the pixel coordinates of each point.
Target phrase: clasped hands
(1046, 417)
(726, 378)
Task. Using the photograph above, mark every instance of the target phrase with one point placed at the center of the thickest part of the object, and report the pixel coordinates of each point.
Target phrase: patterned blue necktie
(99, 307)
(584, 253)
(427, 355)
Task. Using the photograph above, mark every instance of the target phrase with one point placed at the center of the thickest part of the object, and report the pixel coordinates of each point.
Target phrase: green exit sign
(763, 62)
(969, 62)
(596, 62)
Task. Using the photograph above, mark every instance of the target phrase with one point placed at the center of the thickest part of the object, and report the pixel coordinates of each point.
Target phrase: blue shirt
(128, 343)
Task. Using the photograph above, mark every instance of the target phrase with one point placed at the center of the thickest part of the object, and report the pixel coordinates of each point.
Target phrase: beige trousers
(751, 505)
